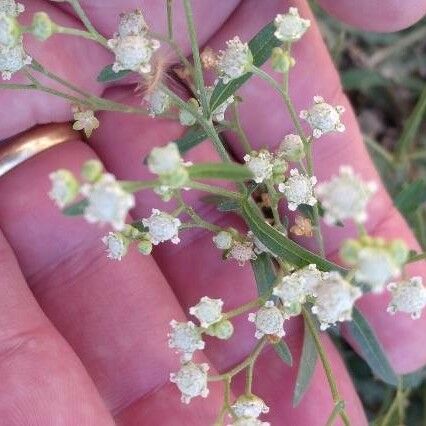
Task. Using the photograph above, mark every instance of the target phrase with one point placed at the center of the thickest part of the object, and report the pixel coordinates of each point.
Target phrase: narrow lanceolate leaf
(370, 348)
(107, 74)
(75, 209)
(280, 245)
(264, 273)
(193, 137)
(308, 361)
(223, 204)
(411, 197)
(261, 46)
(283, 351)
(226, 171)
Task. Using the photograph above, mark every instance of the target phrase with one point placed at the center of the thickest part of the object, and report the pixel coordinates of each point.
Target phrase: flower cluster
(298, 189)
(132, 45)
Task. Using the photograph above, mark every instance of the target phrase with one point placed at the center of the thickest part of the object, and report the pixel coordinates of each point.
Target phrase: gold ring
(16, 150)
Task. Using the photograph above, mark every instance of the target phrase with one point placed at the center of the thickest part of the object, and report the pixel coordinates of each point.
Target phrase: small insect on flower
(242, 252)
(107, 202)
(302, 227)
(223, 240)
(133, 52)
(131, 23)
(335, 298)
(235, 61)
(191, 380)
(117, 245)
(323, 117)
(162, 227)
(345, 197)
(249, 406)
(65, 187)
(298, 189)
(85, 120)
(13, 59)
(11, 8)
(291, 148)
(158, 102)
(260, 164)
(269, 321)
(408, 296)
(185, 337)
(207, 311)
(165, 159)
(249, 421)
(290, 26)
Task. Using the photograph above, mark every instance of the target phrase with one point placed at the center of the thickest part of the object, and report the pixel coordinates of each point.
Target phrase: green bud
(42, 26)
(281, 60)
(222, 330)
(279, 167)
(293, 310)
(177, 179)
(399, 251)
(92, 170)
(10, 31)
(349, 251)
(145, 247)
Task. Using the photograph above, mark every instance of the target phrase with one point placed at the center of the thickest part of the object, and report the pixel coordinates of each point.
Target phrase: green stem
(326, 364)
(79, 33)
(338, 407)
(198, 70)
(244, 308)
(169, 18)
(239, 130)
(214, 190)
(274, 197)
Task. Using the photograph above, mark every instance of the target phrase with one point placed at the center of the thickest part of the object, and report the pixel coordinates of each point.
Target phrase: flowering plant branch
(292, 280)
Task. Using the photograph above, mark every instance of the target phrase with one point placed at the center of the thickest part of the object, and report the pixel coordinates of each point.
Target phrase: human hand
(114, 317)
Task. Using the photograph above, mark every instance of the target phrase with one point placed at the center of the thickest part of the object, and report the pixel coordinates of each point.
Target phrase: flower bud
(145, 247)
(42, 26)
(10, 31)
(291, 148)
(222, 330)
(92, 170)
(281, 60)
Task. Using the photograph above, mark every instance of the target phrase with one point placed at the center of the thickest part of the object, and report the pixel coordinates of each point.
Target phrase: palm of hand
(112, 361)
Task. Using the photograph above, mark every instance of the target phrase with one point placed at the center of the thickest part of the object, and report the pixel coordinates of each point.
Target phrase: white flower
(158, 102)
(249, 406)
(207, 311)
(191, 380)
(249, 421)
(107, 202)
(11, 8)
(223, 240)
(408, 296)
(290, 26)
(259, 247)
(165, 159)
(335, 298)
(269, 320)
(117, 245)
(162, 227)
(86, 121)
(235, 61)
(12, 59)
(345, 196)
(323, 118)
(291, 148)
(64, 187)
(133, 52)
(298, 189)
(260, 164)
(294, 288)
(185, 337)
(242, 252)
(132, 23)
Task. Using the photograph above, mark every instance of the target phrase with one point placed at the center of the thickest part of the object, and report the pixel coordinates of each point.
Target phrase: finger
(115, 315)
(376, 15)
(329, 153)
(43, 381)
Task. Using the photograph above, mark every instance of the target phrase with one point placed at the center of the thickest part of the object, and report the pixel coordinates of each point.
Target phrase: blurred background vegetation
(384, 76)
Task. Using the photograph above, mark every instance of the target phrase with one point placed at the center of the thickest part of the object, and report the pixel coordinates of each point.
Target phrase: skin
(83, 339)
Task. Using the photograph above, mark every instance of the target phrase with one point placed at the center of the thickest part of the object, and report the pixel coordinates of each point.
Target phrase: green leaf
(223, 204)
(411, 197)
(261, 46)
(412, 126)
(193, 137)
(226, 171)
(370, 348)
(363, 79)
(107, 74)
(264, 273)
(283, 351)
(280, 245)
(308, 361)
(75, 209)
